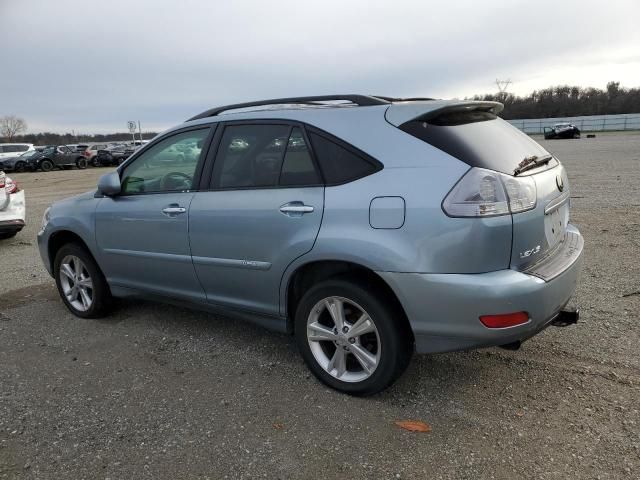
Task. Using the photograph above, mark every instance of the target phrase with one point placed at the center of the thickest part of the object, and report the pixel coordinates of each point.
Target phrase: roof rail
(360, 100)
(410, 99)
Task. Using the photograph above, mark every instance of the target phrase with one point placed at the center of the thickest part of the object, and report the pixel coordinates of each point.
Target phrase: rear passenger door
(262, 210)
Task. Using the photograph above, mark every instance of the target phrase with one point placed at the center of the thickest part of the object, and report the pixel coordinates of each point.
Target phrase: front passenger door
(142, 234)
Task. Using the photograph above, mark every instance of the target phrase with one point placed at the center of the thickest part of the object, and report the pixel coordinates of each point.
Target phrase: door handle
(172, 210)
(295, 209)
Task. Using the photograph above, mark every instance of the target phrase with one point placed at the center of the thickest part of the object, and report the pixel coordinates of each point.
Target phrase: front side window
(167, 166)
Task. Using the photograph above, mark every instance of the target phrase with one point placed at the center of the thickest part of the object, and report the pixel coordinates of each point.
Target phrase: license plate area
(555, 224)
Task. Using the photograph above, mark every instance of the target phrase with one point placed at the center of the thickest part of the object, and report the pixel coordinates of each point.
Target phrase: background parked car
(92, 150)
(78, 147)
(561, 130)
(12, 207)
(113, 155)
(13, 149)
(19, 163)
(57, 156)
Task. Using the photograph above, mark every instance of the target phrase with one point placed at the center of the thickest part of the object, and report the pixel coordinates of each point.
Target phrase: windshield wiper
(531, 162)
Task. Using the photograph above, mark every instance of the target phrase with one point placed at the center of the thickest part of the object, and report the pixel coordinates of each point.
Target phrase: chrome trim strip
(171, 257)
(232, 263)
(556, 203)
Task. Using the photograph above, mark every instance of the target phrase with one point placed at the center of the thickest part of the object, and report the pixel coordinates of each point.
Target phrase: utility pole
(140, 131)
(502, 88)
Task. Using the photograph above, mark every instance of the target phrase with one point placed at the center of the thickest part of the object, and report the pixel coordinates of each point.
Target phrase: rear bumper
(12, 217)
(10, 226)
(444, 309)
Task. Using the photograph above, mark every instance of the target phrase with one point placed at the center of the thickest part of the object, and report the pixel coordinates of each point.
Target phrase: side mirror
(109, 184)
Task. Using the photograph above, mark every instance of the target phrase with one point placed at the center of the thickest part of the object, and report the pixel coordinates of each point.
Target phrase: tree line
(568, 101)
(49, 138)
(558, 101)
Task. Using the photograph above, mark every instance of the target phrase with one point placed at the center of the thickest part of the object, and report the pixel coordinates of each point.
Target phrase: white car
(12, 207)
(14, 149)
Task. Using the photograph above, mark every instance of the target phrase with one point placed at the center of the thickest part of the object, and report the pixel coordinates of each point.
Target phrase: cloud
(90, 66)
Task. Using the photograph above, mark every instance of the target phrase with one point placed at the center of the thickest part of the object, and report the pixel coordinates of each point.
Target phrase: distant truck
(561, 130)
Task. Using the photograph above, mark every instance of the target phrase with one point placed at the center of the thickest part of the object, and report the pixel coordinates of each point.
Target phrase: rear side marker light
(504, 320)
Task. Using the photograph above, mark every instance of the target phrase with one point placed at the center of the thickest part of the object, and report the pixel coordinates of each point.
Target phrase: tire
(81, 163)
(46, 165)
(20, 166)
(389, 343)
(6, 235)
(79, 265)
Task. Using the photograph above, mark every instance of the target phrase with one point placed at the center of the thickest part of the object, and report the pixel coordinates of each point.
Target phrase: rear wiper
(531, 162)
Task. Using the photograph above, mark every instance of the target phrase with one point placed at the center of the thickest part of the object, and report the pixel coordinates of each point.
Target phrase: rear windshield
(480, 139)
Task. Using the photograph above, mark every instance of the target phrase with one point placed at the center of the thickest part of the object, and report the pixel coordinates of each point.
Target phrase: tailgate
(538, 233)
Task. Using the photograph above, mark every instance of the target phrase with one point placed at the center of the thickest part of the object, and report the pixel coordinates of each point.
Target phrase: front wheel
(20, 166)
(351, 338)
(80, 282)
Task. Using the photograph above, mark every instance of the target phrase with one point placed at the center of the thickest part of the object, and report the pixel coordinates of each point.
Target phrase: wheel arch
(310, 273)
(60, 238)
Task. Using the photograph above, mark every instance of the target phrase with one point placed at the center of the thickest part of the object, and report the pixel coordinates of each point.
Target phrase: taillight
(11, 186)
(485, 193)
(504, 320)
(2, 180)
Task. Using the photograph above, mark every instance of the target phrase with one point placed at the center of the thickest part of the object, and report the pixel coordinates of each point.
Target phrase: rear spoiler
(403, 112)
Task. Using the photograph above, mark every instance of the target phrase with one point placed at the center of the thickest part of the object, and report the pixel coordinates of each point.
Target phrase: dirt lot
(161, 392)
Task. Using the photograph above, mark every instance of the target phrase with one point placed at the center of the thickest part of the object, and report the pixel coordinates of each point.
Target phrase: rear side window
(298, 167)
(339, 164)
(250, 156)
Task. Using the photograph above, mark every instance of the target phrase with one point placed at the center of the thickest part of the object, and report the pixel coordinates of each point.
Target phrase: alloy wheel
(343, 339)
(76, 283)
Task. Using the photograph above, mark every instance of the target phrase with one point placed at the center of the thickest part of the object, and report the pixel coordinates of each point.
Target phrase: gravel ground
(161, 392)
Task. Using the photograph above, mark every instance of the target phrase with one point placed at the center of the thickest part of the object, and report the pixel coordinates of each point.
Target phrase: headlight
(485, 193)
(45, 218)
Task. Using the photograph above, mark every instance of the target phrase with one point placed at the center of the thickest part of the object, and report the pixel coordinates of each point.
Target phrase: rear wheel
(81, 163)
(351, 338)
(46, 165)
(80, 282)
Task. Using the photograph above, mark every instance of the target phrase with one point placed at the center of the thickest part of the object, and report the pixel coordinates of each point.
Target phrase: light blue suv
(366, 226)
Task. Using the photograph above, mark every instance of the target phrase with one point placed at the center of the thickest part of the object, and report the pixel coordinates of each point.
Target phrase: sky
(91, 65)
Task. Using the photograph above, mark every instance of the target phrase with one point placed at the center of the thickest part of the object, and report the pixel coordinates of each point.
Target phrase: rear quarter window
(339, 163)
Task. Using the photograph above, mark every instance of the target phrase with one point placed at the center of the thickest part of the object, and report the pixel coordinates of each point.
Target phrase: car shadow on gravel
(166, 334)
